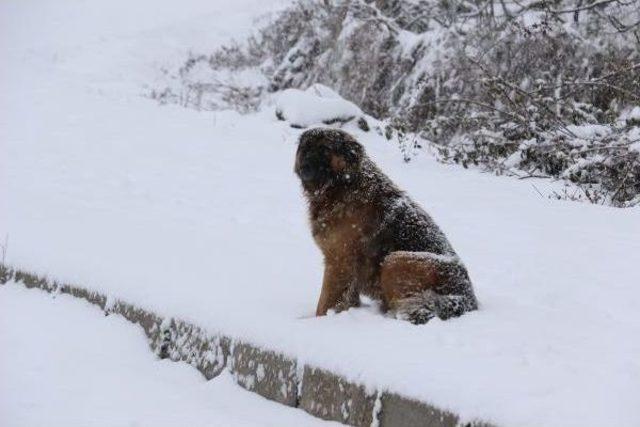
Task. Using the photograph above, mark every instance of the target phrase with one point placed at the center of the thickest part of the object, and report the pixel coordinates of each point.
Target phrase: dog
(375, 240)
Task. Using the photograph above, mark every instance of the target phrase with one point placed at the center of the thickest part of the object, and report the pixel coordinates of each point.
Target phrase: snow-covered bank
(199, 216)
(64, 364)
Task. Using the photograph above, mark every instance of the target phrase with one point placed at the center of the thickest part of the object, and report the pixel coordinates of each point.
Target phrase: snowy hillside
(543, 88)
(198, 215)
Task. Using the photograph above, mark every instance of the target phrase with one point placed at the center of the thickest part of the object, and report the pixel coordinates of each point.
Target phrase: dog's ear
(346, 156)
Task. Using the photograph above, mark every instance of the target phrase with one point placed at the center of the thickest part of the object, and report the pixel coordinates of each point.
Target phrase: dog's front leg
(338, 288)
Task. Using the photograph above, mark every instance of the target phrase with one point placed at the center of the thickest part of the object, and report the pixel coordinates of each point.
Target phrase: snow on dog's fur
(374, 238)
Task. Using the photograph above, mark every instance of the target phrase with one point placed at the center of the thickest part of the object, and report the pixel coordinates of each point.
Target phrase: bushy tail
(426, 305)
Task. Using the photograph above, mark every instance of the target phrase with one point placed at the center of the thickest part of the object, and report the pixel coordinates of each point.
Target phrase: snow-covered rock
(314, 106)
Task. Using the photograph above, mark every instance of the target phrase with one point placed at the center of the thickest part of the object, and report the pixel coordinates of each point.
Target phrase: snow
(64, 364)
(630, 115)
(199, 216)
(589, 131)
(314, 106)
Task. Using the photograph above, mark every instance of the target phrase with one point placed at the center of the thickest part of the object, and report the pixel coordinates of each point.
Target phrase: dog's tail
(424, 306)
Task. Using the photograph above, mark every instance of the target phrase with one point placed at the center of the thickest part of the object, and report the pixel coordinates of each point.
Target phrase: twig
(514, 116)
(579, 9)
(5, 247)
(534, 176)
(538, 191)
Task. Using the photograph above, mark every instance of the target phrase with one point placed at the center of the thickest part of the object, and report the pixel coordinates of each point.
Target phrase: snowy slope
(198, 215)
(82, 379)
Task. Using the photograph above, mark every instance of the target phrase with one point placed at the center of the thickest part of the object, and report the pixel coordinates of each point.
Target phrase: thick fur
(375, 239)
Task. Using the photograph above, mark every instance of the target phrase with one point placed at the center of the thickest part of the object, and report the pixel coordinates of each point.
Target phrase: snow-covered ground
(64, 364)
(199, 216)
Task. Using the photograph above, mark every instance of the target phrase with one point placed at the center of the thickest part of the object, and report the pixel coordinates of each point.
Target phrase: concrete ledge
(331, 397)
(273, 375)
(265, 372)
(400, 411)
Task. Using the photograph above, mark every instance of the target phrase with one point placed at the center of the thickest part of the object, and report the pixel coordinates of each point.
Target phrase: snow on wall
(60, 350)
(272, 375)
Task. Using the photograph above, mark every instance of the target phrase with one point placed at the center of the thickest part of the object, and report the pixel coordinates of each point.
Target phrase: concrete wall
(268, 373)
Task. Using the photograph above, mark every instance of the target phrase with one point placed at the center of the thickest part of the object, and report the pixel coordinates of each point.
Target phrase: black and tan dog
(375, 239)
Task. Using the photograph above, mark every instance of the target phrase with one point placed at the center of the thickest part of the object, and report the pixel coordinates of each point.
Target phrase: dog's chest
(343, 233)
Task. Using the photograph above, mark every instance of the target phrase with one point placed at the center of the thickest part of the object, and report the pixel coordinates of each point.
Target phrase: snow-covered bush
(316, 105)
(511, 87)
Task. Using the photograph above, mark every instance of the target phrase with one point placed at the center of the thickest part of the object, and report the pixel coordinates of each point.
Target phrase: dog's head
(327, 157)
